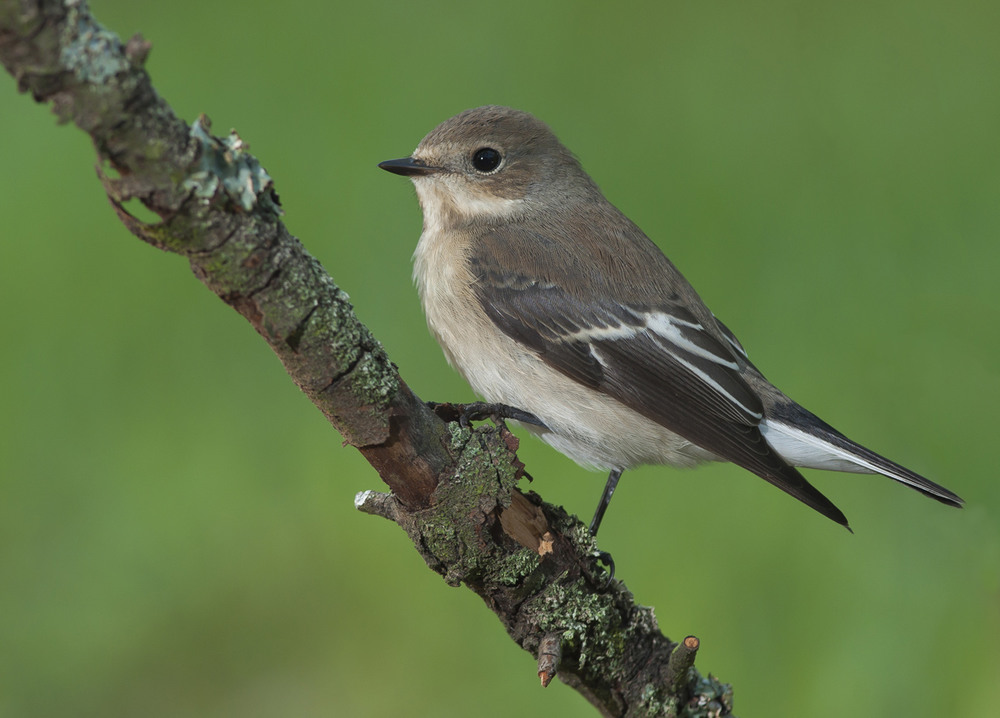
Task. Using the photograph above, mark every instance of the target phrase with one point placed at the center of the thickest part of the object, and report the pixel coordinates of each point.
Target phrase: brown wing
(657, 358)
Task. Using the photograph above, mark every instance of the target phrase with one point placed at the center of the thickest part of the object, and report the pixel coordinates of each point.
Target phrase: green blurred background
(177, 530)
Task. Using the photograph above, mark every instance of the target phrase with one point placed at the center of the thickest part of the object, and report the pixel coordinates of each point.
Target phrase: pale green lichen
(711, 699)
(372, 383)
(479, 487)
(516, 567)
(653, 703)
(460, 436)
(585, 619)
(92, 53)
(225, 164)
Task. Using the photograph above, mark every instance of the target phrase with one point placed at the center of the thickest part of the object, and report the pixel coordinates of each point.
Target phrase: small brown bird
(548, 299)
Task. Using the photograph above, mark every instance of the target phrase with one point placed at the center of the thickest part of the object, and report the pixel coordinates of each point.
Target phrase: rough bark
(453, 488)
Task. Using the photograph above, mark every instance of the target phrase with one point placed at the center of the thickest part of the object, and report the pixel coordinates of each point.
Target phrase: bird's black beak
(408, 167)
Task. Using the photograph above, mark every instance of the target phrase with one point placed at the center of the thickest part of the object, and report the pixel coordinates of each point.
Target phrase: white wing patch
(668, 333)
(669, 328)
(663, 325)
(596, 334)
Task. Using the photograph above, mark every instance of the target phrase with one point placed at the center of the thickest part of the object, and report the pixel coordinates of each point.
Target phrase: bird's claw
(464, 414)
(605, 558)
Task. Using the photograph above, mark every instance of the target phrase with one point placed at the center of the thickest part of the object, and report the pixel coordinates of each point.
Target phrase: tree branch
(453, 488)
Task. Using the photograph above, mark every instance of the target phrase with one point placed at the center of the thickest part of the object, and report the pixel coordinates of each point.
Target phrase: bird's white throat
(447, 200)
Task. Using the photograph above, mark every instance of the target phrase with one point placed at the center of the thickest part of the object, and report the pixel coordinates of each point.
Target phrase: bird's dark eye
(486, 159)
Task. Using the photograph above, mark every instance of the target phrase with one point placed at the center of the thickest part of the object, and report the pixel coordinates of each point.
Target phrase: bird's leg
(609, 491)
(479, 410)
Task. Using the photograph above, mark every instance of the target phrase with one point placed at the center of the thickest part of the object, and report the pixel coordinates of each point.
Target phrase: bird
(549, 301)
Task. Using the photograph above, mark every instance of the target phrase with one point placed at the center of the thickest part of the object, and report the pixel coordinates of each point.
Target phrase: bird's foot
(605, 558)
(464, 414)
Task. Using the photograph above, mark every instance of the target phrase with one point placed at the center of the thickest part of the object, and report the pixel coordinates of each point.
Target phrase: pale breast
(588, 426)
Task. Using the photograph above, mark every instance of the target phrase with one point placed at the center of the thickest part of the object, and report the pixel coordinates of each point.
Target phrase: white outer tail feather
(800, 448)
